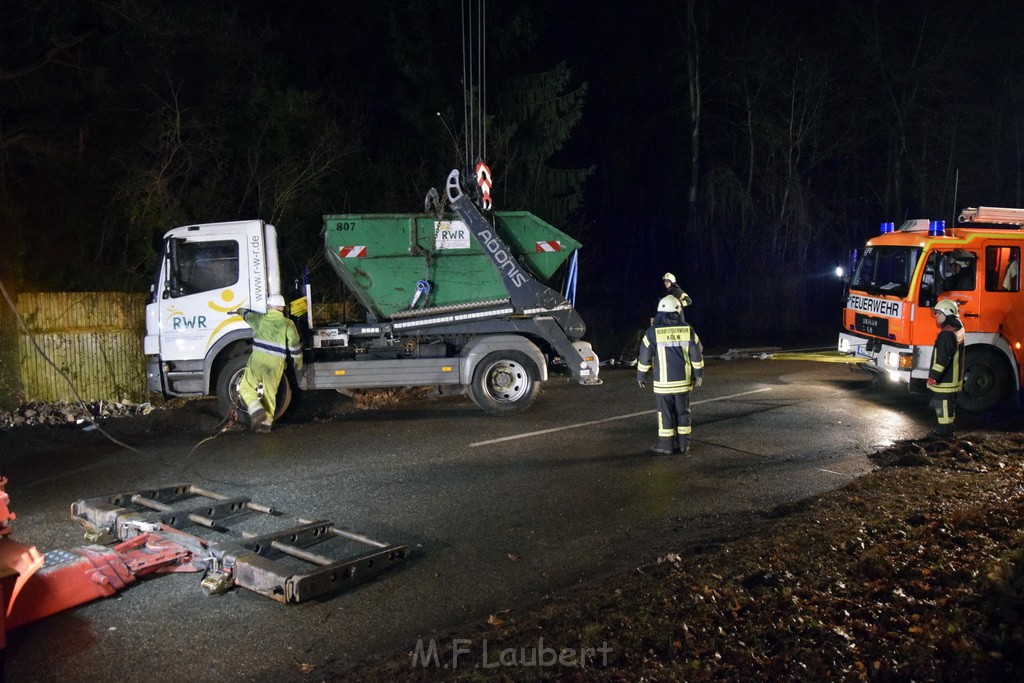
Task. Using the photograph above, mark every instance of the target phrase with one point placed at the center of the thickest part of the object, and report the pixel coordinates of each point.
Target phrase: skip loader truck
(903, 272)
(451, 298)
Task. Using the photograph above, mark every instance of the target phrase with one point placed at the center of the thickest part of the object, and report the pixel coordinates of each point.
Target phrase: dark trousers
(945, 411)
(674, 420)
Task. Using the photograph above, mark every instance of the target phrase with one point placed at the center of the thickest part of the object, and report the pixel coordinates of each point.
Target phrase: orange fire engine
(903, 272)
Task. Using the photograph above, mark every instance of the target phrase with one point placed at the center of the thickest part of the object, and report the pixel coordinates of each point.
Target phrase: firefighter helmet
(669, 304)
(946, 307)
(275, 301)
(670, 277)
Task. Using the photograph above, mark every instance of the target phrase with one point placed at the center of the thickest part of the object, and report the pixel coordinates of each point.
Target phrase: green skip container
(381, 258)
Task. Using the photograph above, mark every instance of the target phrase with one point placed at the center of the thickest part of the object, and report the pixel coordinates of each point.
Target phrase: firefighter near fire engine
(275, 340)
(946, 375)
(672, 350)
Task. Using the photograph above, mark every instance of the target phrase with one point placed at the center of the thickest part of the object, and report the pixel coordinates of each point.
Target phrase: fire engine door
(953, 275)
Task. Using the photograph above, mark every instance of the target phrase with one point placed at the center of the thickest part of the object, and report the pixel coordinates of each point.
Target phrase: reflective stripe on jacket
(275, 335)
(947, 367)
(674, 352)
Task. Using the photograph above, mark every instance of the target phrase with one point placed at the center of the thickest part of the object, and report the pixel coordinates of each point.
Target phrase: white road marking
(607, 419)
(822, 469)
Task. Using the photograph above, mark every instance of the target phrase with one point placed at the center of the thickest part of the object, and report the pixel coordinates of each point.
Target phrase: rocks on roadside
(64, 413)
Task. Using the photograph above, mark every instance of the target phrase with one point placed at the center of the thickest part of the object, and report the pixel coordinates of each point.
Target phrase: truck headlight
(903, 361)
(844, 345)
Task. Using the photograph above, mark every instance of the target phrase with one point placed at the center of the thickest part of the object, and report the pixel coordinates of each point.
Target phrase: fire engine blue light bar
(936, 228)
(888, 227)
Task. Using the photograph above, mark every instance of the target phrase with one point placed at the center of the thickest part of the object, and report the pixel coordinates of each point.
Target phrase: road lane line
(607, 419)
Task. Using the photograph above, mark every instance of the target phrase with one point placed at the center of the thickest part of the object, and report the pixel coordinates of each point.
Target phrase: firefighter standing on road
(673, 350)
(275, 340)
(946, 376)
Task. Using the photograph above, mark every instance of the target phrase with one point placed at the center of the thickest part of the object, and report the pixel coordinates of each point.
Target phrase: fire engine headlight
(894, 376)
(844, 346)
(903, 361)
(840, 272)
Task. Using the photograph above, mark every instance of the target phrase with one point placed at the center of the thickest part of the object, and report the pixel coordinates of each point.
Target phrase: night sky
(817, 120)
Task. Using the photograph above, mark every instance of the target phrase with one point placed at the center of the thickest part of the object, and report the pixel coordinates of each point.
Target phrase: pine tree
(535, 118)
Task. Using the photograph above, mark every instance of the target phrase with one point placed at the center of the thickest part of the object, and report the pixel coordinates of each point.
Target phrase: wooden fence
(95, 338)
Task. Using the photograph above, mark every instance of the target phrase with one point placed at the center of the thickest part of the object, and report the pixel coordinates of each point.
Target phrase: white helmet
(670, 277)
(275, 301)
(947, 307)
(669, 304)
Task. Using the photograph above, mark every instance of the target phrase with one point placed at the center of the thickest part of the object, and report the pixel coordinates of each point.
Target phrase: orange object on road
(34, 585)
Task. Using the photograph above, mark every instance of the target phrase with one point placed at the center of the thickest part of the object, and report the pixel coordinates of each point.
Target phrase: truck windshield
(886, 270)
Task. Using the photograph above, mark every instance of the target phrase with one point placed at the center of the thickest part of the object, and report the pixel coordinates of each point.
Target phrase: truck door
(1004, 311)
(203, 279)
(955, 276)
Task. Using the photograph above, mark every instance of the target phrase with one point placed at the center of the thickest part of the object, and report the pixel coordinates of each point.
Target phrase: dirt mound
(979, 450)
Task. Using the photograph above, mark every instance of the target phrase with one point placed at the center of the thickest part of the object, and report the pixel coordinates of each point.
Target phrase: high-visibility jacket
(947, 367)
(275, 335)
(672, 349)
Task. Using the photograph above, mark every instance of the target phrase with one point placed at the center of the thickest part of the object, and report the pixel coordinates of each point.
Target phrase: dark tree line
(119, 120)
(820, 121)
(745, 146)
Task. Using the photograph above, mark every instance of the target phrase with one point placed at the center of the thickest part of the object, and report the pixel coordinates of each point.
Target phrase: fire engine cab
(902, 273)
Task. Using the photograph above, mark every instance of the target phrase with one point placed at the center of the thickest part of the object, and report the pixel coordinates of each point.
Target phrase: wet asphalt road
(498, 512)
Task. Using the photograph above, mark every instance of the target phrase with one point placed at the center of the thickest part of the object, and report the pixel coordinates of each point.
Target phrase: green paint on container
(381, 258)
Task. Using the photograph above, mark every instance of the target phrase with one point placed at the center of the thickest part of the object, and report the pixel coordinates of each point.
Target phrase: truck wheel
(986, 380)
(227, 390)
(504, 383)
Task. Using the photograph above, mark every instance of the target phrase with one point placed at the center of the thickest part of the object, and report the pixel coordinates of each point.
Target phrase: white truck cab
(207, 271)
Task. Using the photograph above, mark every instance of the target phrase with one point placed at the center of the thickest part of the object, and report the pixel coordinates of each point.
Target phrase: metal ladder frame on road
(247, 560)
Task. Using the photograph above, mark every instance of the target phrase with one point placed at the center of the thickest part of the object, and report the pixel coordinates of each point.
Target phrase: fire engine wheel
(227, 390)
(504, 383)
(986, 380)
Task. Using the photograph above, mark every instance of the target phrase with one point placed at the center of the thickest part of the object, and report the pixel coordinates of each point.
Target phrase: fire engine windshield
(886, 270)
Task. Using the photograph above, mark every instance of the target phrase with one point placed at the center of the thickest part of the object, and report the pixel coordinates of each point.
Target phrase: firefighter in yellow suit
(946, 375)
(672, 349)
(275, 339)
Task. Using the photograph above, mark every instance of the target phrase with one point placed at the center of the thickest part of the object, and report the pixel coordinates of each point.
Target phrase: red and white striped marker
(550, 245)
(483, 179)
(352, 252)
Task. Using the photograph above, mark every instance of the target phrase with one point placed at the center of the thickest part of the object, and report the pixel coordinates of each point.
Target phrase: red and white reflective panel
(352, 252)
(550, 245)
(483, 179)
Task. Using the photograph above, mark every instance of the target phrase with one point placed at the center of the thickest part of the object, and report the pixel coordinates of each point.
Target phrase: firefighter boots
(256, 418)
(663, 447)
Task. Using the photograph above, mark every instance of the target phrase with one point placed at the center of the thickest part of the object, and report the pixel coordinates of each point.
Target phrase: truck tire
(227, 390)
(504, 383)
(986, 380)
